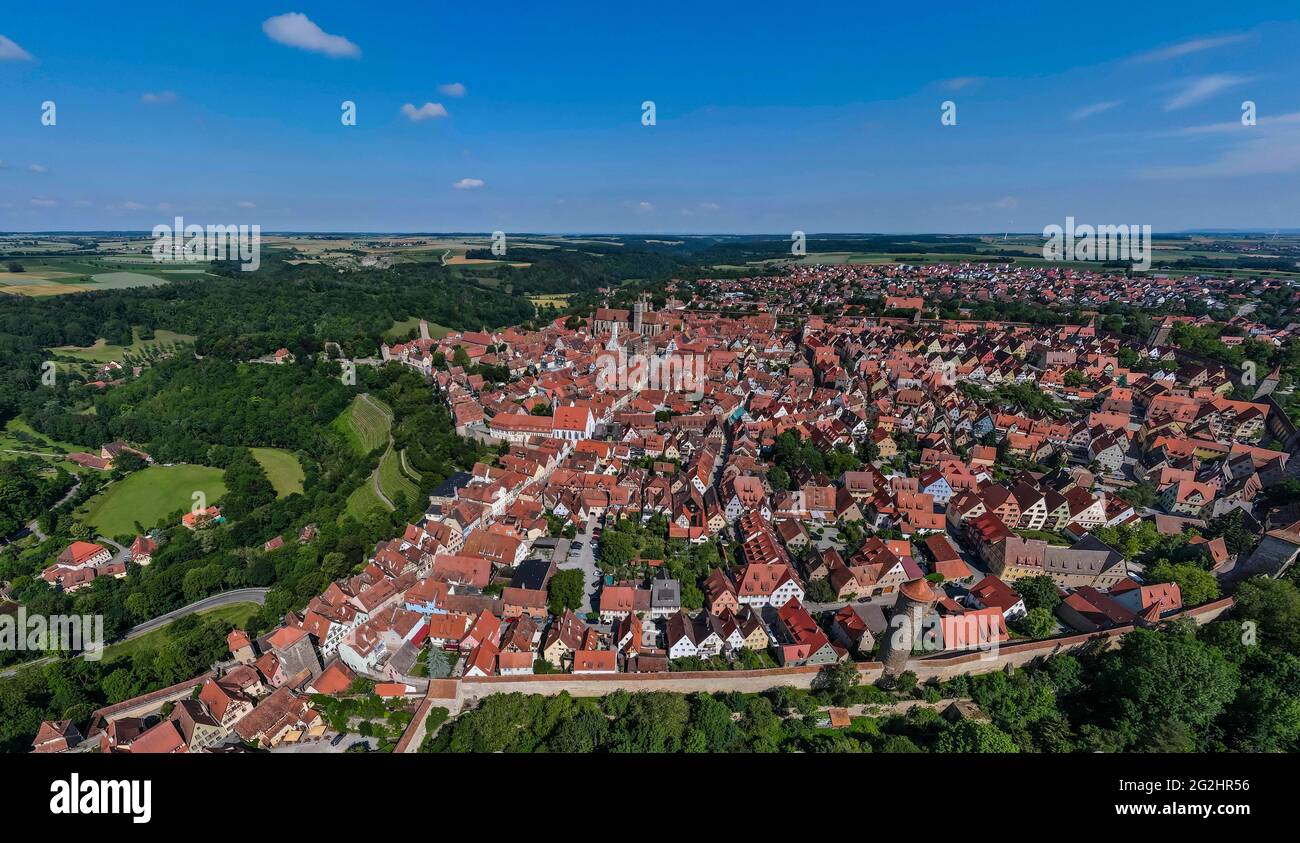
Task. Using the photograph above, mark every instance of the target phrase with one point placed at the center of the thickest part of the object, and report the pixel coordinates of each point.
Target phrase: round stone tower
(906, 624)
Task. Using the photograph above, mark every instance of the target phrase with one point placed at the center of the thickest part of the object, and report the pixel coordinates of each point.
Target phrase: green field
(17, 439)
(149, 495)
(282, 469)
(16, 434)
(237, 614)
(101, 352)
(403, 328)
(365, 423)
(362, 500)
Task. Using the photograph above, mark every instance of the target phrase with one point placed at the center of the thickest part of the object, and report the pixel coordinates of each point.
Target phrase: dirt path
(410, 472)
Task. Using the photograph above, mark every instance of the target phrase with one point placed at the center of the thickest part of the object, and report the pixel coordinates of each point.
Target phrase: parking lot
(582, 557)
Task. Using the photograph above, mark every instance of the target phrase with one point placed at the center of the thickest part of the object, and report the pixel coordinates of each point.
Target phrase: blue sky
(770, 117)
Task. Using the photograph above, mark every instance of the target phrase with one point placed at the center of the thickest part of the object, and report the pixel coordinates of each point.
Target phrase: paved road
(33, 527)
(216, 601)
(120, 554)
(324, 745)
(882, 600)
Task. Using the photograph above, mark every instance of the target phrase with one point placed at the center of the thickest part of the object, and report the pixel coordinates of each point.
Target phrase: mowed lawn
(148, 495)
(282, 469)
(365, 423)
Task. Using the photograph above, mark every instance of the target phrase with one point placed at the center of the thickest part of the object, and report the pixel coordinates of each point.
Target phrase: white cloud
(158, 98)
(425, 112)
(132, 206)
(467, 184)
(1267, 149)
(9, 51)
(960, 83)
(37, 168)
(452, 89)
(1231, 126)
(1096, 108)
(42, 202)
(645, 206)
(1202, 88)
(295, 29)
(1184, 48)
(709, 206)
(247, 204)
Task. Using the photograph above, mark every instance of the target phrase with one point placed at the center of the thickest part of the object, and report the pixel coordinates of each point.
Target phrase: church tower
(638, 314)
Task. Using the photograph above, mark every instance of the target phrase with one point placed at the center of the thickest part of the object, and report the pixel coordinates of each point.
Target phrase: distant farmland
(54, 276)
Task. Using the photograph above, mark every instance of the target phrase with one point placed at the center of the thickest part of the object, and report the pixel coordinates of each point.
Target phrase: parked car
(337, 738)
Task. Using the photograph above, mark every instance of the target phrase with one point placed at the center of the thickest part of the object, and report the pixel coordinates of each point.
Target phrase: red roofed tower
(915, 598)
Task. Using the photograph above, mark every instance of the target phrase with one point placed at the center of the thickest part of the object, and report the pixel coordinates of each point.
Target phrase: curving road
(33, 527)
(215, 601)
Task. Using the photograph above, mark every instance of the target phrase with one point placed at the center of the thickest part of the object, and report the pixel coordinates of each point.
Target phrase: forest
(238, 316)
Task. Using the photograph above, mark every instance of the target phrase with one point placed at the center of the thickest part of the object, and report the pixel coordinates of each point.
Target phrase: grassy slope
(403, 328)
(282, 468)
(150, 494)
(392, 479)
(365, 427)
